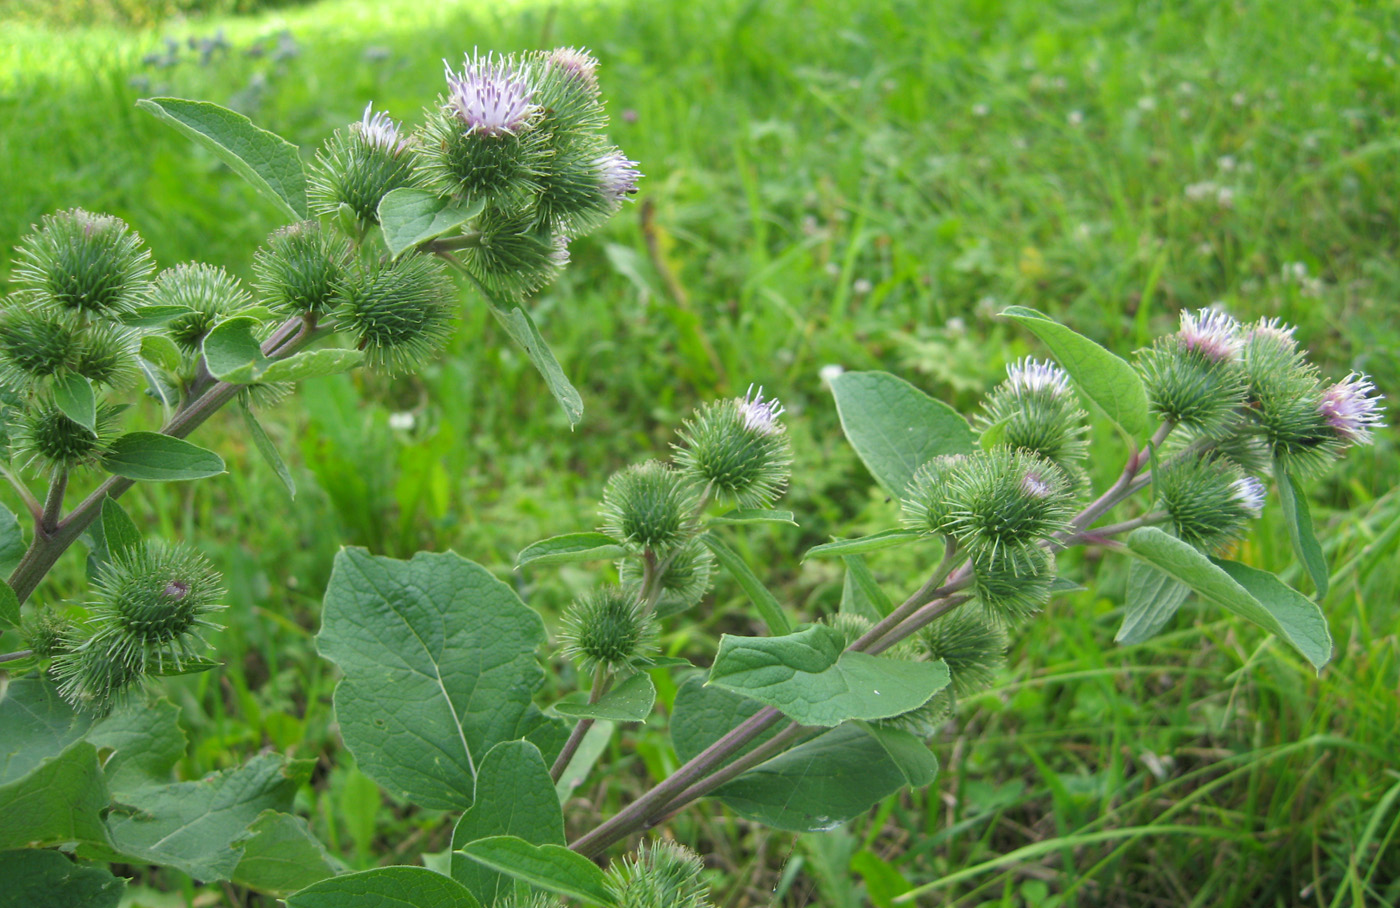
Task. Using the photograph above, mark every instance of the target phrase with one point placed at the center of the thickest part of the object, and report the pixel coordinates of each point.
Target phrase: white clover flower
(489, 96)
(401, 421)
(861, 287)
(1352, 408)
(1212, 333)
(1075, 118)
(380, 131)
(1250, 493)
(1032, 375)
(760, 415)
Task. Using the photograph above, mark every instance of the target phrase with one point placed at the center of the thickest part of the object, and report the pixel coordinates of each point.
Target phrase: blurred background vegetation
(858, 184)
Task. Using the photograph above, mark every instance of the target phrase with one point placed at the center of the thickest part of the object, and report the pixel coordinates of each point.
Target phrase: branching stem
(14, 657)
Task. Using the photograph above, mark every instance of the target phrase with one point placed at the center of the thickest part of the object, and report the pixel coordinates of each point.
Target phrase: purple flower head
(1275, 330)
(489, 96)
(1249, 492)
(617, 175)
(574, 63)
(760, 415)
(1352, 408)
(1212, 333)
(1031, 375)
(380, 131)
(1035, 485)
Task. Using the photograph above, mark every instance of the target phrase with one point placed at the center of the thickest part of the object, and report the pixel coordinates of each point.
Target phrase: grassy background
(854, 183)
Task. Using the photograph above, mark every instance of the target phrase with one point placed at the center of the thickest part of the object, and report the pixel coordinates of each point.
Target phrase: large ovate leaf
(570, 548)
(412, 216)
(550, 867)
(281, 856)
(1151, 600)
(629, 701)
(809, 678)
(143, 742)
(1252, 594)
(232, 351)
(386, 887)
(908, 753)
(264, 159)
(522, 330)
(1298, 519)
(153, 457)
(48, 879)
(767, 604)
(895, 428)
(38, 725)
(1105, 380)
(514, 796)
(200, 827)
(439, 664)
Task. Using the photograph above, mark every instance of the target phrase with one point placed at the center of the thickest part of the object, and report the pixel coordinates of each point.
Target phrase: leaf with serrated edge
(1298, 519)
(550, 867)
(153, 457)
(264, 159)
(887, 539)
(570, 548)
(809, 678)
(439, 666)
(145, 742)
(1237, 587)
(514, 796)
(1152, 599)
(1106, 380)
(412, 216)
(386, 887)
(895, 428)
(629, 701)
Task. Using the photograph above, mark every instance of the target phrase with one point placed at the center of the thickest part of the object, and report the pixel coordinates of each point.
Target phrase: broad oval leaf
(232, 352)
(550, 867)
(1105, 380)
(907, 752)
(570, 548)
(48, 879)
(886, 539)
(386, 887)
(265, 159)
(119, 531)
(809, 678)
(1151, 600)
(439, 664)
(1250, 593)
(153, 457)
(412, 216)
(629, 701)
(896, 428)
(281, 856)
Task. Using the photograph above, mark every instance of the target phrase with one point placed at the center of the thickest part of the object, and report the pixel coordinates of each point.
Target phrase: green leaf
(886, 539)
(809, 678)
(73, 395)
(514, 797)
(312, 364)
(1105, 380)
(61, 800)
(153, 316)
(12, 544)
(1252, 594)
(386, 887)
(522, 330)
(200, 827)
(439, 665)
(232, 352)
(1152, 599)
(912, 757)
(768, 607)
(412, 216)
(38, 725)
(281, 856)
(9, 607)
(161, 351)
(1298, 519)
(896, 428)
(119, 531)
(186, 667)
(145, 743)
(550, 867)
(47, 879)
(752, 515)
(629, 701)
(570, 548)
(861, 593)
(264, 159)
(595, 743)
(268, 449)
(883, 883)
(153, 457)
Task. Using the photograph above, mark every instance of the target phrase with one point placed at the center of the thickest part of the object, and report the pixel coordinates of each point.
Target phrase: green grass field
(864, 184)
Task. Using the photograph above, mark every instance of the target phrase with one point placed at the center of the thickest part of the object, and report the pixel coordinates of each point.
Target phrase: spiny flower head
(617, 176)
(302, 269)
(34, 346)
(489, 96)
(925, 502)
(1352, 408)
(686, 575)
(1211, 333)
(1208, 501)
(513, 254)
(357, 167)
(650, 506)
(1032, 376)
(738, 449)
(1011, 590)
(608, 628)
(380, 132)
(1250, 493)
(1035, 410)
(400, 312)
(663, 874)
(50, 439)
(1273, 330)
(209, 292)
(84, 262)
(972, 648)
(574, 63)
(1003, 503)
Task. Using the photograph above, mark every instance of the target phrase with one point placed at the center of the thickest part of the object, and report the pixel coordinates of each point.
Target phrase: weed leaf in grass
(439, 666)
(522, 330)
(1105, 380)
(895, 428)
(265, 159)
(386, 887)
(48, 879)
(267, 448)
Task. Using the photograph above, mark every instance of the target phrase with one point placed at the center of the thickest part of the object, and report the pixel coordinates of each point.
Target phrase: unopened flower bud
(686, 575)
(35, 346)
(925, 502)
(1003, 503)
(608, 628)
(1010, 591)
(82, 262)
(56, 442)
(400, 312)
(738, 448)
(1035, 410)
(662, 874)
(513, 255)
(1193, 378)
(649, 506)
(47, 634)
(361, 165)
(301, 270)
(1208, 500)
(209, 292)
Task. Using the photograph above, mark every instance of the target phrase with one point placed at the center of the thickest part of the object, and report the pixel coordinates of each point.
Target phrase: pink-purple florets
(380, 131)
(1352, 408)
(1032, 376)
(489, 96)
(574, 63)
(1212, 333)
(1249, 493)
(760, 415)
(617, 176)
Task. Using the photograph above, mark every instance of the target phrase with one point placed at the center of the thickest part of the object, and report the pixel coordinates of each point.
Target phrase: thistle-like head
(617, 176)
(574, 63)
(1352, 408)
(761, 415)
(489, 96)
(1031, 375)
(380, 132)
(1211, 333)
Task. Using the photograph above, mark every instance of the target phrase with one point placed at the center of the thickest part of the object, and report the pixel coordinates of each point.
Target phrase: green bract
(738, 450)
(82, 262)
(649, 506)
